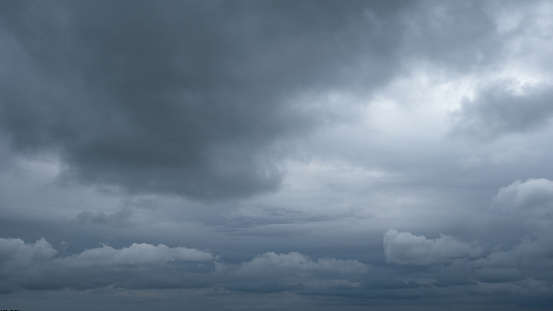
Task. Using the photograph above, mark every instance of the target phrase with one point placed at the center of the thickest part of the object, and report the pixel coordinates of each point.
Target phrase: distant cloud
(142, 265)
(119, 218)
(407, 248)
(35, 265)
(136, 254)
(271, 272)
(294, 262)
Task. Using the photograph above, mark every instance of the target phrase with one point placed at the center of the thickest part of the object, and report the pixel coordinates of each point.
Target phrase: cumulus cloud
(502, 108)
(136, 254)
(407, 248)
(17, 252)
(530, 198)
(141, 265)
(35, 265)
(521, 259)
(271, 272)
(294, 262)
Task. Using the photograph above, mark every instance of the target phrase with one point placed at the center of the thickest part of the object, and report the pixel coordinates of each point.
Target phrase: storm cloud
(286, 155)
(505, 108)
(186, 98)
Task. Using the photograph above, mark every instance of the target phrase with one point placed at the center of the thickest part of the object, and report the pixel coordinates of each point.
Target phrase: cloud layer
(141, 266)
(37, 266)
(293, 155)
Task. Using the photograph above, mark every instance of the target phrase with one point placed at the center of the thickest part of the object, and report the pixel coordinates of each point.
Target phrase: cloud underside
(205, 100)
(187, 98)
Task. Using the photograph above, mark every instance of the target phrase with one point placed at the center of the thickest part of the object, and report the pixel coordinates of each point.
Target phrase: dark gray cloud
(459, 36)
(182, 97)
(302, 151)
(502, 108)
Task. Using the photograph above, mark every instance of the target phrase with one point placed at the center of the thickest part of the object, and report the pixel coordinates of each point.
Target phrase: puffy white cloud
(407, 248)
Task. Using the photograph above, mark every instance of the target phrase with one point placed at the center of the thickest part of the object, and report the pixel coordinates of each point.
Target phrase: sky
(276, 155)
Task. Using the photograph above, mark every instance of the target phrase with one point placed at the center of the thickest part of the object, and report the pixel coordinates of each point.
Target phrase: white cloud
(407, 248)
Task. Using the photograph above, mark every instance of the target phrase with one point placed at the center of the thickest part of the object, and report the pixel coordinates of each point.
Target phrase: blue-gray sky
(298, 155)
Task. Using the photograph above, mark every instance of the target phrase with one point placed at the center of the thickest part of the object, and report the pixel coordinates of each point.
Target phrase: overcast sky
(279, 155)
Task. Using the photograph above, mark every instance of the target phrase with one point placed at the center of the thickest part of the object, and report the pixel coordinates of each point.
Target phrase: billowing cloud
(502, 108)
(518, 265)
(142, 265)
(294, 262)
(137, 253)
(187, 98)
(36, 266)
(270, 272)
(17, 252)
(533, 197)
(407, 248)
